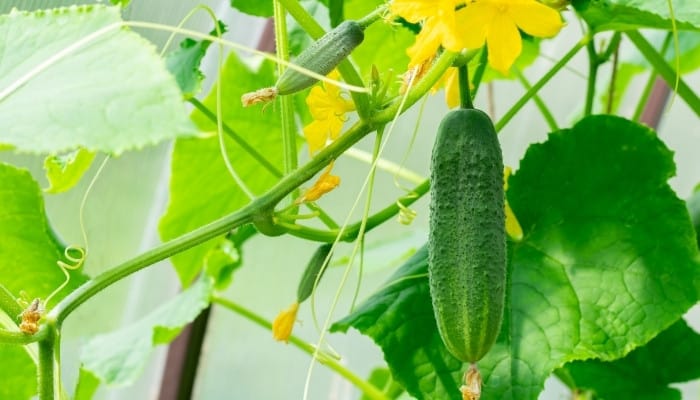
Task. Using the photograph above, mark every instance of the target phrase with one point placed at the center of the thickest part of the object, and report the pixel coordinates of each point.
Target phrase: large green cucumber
(467, 248)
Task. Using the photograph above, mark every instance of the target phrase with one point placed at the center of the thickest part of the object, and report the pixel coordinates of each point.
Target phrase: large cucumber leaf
(73, 77)
(646, 372)
(604, 15)
(607, 262)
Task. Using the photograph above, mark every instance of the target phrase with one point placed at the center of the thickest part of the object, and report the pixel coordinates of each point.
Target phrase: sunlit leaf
(28, 249)
(64, 171)
(607, 262)
(117, 358)
(72, 77)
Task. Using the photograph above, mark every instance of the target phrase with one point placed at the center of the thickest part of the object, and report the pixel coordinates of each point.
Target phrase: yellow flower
(328, 108)
(325, 183)
(439, 20)
(496, 22)
(450, 81)
(284, 323)
(512, 225)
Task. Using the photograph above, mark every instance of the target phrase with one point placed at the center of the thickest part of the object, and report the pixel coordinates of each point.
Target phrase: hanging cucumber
(321, 57)
(467, 252)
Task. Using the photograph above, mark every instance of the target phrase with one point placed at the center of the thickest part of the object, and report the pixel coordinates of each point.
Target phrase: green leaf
(259, 8)
(105, 91)
(28, 249)
(608, 260)
(381, 378)
(64, 171)
(645, 373)
(604, 15)
(117, 358)
(201, 188)
(17, 373)
(87, 385)
(693, 205)
(184, 63)
(227, 255)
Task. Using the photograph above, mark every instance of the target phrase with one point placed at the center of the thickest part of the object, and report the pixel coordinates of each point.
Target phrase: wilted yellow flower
(328, 108)
(325, 183)
(283, 324)
(496, 22)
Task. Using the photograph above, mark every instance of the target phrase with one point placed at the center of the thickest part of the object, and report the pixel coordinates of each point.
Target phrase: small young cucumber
(321, 57)
(313, 272)
(467, 245)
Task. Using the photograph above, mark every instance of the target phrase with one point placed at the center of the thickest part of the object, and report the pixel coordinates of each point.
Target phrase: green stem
(238, 139)
(372, 17)
(423, 86)
(665, 70)
(480, 69)
(286, 102)
(544, 110)
(537, 86)
(8, 303)
(258, 209)
(161, 252)
(367, 388)
(465, 98)
(351, 232)
(646, 92)
(346, 69)
(593, 64)
(19, 338)
(46, 368)
(322, 215)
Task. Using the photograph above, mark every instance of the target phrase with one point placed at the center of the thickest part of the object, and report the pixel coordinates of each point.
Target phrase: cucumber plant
(595, 284)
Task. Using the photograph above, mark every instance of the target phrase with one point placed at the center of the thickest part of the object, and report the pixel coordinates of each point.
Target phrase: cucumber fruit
(321, 57)
(467, 242)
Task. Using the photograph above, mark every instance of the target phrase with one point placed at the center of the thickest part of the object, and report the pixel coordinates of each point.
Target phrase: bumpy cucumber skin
(313, 270)
(321, 57)
(467, 242)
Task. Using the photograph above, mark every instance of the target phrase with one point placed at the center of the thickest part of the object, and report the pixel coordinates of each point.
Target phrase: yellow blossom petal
(317, 134)
(426, 45)
(497, 21)
(513, 228)
(452, 87)
(328, 108)
(474, 22)
(284, 323)
(504, 43)
(325, 183)
(536, 19)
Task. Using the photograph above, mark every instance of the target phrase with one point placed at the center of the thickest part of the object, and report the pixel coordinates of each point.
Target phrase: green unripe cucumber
(313, 272)
(321, 57)
(467, 245)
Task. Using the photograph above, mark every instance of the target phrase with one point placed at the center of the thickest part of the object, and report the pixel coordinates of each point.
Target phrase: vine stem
(666, 71)
(257, 207)
(539, 84)
(593, 65)
(367, 388)
(286, 105)
(46, 371)
(544, 110)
